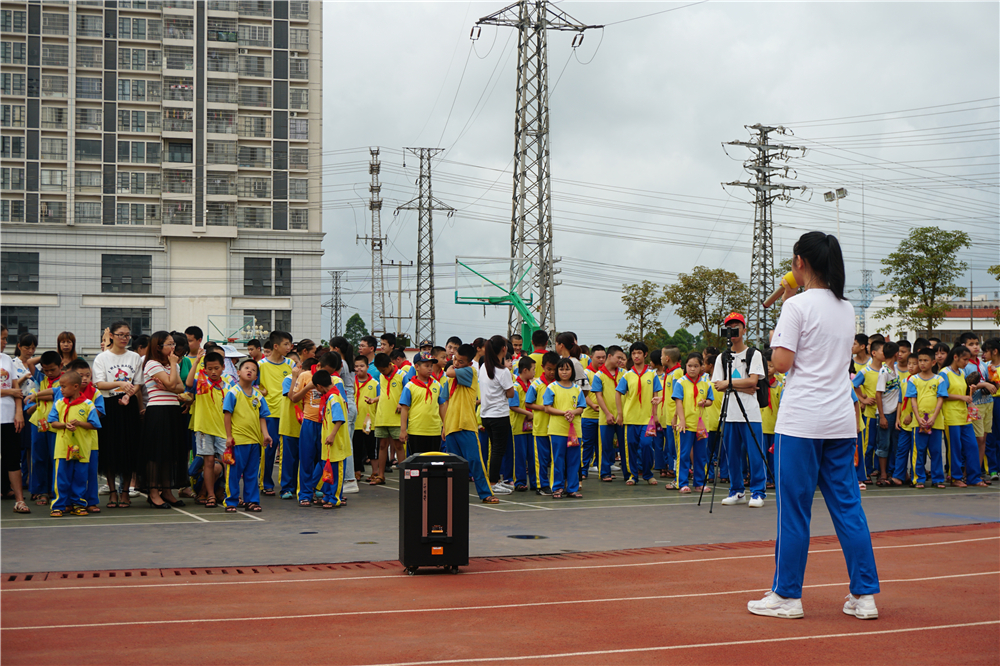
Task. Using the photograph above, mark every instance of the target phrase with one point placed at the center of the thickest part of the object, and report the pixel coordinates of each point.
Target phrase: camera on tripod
(729, 333)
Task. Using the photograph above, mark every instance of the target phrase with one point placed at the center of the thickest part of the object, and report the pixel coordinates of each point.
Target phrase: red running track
(939, 605)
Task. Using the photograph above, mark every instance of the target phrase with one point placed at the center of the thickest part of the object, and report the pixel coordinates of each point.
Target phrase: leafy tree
(643, 304)
(921, 276)
(995, 272)
(681, 339)
(355, 330)
(705, 296)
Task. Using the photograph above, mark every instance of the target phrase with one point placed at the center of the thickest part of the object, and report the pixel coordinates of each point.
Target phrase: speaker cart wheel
(411, 570)
(453, 569)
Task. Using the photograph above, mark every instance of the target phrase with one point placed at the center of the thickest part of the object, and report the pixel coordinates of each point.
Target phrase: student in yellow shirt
(540, 422)
(422, 410)
(209, 427)
(672, 371)
(273, 369)
(991, 354)
(604, 388)
(74, 421)
(366, 392)
(521, 426)
(962, 436)
(336, 441)
(591, 436)
(926, 395)
(692, 393)
(769, 414)
(639, 392)
(713, 413)
(866, 385)
(43, 442)
(564, 403)
(391, 382)
(306, 397)
(904, 442)
(461, 391)
(244, 413)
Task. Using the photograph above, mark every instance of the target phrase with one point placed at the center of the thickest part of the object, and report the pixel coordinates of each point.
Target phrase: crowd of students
(172, 418)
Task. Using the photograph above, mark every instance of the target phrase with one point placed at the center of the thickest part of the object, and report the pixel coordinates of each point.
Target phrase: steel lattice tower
(531, 216)
(336, 304)
(761, 321)
(376, 239)
(425, 204)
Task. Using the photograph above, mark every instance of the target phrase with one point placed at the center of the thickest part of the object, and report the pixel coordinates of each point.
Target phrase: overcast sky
(895, 100)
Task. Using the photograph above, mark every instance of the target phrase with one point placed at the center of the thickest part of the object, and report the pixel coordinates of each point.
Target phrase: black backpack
(763, 387)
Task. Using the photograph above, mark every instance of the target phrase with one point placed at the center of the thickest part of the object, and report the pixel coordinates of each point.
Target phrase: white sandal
(21, 507)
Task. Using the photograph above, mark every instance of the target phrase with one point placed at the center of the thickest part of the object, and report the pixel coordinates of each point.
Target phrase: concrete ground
(611, 516)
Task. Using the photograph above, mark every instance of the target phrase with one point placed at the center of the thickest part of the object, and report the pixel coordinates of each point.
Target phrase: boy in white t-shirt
(887, 395)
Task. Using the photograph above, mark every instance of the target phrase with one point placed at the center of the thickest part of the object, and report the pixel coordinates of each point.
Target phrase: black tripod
(713, 463)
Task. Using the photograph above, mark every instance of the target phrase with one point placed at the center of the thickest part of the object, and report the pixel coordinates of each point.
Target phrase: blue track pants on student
(465, 443)
(610, 434)
(543, 462)
(70, 485)
(43, 450)
(310, 448)
(965, 453)
(689, 443)
(266, 473)
(639, 453)
(660, 444)
(801, 464)
(924, 444)
(591, 439)
(740, 447)
(671, 444)
(289, 463)
(92, 484)
(992, 439)
(333, 491)
(867, 443)
(901, 468)
(565, 465)
(246, 469)
(524, 461)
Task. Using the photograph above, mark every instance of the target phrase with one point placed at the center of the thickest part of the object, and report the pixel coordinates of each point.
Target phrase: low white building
(961, 318)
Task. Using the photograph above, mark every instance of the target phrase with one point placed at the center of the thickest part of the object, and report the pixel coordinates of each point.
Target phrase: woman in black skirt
(118, 375)
(163, 451)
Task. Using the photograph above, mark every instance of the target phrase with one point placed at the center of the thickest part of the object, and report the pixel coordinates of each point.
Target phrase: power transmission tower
(761, 321)
(376, 239)
(531, 216)
(867, 295)
(425, 204)
(336, 304)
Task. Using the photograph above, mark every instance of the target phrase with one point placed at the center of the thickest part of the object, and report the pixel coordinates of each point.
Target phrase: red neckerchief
(667, 372)
(639, 375)
(404, 364)
(545, 379)
(427, 386)
(540, 350)
(607, 373)
(358, 388)
(516, 356)
(70, 403)
(322, 405)
(524, 385)
(388, 380)
(89, 392)
(438, 376)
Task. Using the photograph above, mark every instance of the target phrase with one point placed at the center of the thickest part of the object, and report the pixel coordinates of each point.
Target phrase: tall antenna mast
(376, 239)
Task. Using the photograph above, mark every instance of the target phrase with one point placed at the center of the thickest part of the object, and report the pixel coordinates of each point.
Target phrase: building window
(57, 86)
(11, 115)
(298, 98)
(12, 147)
(138, 319)
(11, 179)
(88, 25)
(88, 119)
(262, 318)
(257, 277)
(54, 149)
(220, 214)
(13, 53)
(55, 55)
(55, 24)
(255, 96)
(137, 214)
(255, 66)
(282, 279)
(90, 56)
(88, 212)
(88, 150)
(254, 157)
(298, 68)
(177, 181)
(52, 212)
(298, 219)
(220, 152)
(178, 88)
(12, 84)
(298, 188)
(13, 21)
(88, 88)
(19, 320)
(20, 271)
(255, 127)
(283, 320)
(298, 39)
(177, 212)
(254, 35)
(53, 180)
(253, 217)
(178, 120)
(11, 210)
(178, 151)
(55, 117)
(88, 180)
(254, 187)
(298, 128)
(221, 122)
(126, 273)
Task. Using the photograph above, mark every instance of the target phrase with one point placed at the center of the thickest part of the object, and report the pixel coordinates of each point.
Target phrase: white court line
(484, 506)
(590, 653)
(110, 524)
(402, 611)
(467, 573)
(187, 513)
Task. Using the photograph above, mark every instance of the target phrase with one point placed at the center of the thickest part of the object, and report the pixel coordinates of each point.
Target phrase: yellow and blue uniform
(69, 488)
(922, 396)
(689, 394)
(390, 388)
(638, 391)
(768, 418)
(565, 458)
(667, 441)
(423, 419)
(460, 427)
(289, 428)
(271, 376)
(335, 411)
(904, 437)
(540, 435)
(369, 389)
(524, 452)
(711, 417)
(590, 437)
(605, 384)
(961, 435)
(43, 441)
(246, 411)
(993, 437)
(866, 379)
(92, 483)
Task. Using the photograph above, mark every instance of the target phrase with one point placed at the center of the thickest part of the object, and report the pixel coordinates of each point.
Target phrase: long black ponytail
(822, 253)
(493, 348)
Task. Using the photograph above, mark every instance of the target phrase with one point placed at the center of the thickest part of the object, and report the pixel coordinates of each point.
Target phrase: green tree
(355, 330)
(681, 339)
(705, 296)
(643, 304)
(921, 276)
(995, 272)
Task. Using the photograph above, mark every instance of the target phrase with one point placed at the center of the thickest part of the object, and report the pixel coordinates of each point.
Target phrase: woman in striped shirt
(163, 455)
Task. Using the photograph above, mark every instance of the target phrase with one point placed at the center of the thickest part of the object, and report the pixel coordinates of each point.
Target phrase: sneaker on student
(756, 501)
(132, 492)
(501, 489)
(104, 489)
(350, 486)
(594, 470)
(862, 607)
(616, 468)
(738, 498)
(774, 605)
(287, 495)
(508, 486)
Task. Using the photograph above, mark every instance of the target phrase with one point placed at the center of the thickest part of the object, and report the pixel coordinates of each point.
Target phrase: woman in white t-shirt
(118, 375)
(816, 431)
(496, 387)
(163, 450)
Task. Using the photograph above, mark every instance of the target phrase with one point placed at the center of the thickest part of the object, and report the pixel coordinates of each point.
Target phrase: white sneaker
(774, 605)
(350, 487)
(738, 498)
(616, 468)
(132, 492)
(756, 502)
(500, 489)
(862, 607)
(104, 489)
(506, 485)
(594, 470)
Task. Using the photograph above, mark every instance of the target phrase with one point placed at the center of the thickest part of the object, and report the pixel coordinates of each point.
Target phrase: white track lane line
(661, 648)
(403, 611)
(395, 576)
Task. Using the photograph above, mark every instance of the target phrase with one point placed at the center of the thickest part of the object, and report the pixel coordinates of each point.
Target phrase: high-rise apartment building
(160, 163)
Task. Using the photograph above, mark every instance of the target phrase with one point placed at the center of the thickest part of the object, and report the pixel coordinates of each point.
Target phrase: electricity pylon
(376, 239)
(531, 216)
(425, 204)
(761, 321)
(336, 304)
